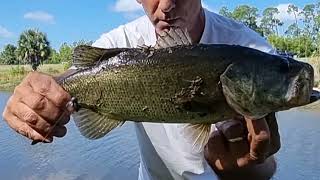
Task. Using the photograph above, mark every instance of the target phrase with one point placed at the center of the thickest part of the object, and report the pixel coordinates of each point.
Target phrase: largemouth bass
(177, 82)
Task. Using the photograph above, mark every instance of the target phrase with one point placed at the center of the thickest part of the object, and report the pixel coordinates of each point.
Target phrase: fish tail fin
(94, 125)
(197, 135)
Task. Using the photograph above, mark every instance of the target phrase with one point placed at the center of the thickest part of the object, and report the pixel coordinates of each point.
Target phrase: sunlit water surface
(117, 155)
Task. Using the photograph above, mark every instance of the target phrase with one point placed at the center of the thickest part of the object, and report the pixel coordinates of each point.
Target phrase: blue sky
(69, 21)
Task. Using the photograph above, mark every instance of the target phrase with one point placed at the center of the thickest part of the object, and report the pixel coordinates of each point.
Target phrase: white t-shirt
(165, 153)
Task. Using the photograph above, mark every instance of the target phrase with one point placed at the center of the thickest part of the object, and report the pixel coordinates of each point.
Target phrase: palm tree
(33, 47)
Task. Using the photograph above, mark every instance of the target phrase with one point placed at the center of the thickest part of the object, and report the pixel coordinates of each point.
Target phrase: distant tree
(269, 21)
(309, 18)
(225, 12)
(293, 28)
(66, 51)
(247, 15)
(317, 29)
(54, 57)
(33, 47)
(8, 56)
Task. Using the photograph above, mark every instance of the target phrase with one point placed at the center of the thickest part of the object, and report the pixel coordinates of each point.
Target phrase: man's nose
(167, 5)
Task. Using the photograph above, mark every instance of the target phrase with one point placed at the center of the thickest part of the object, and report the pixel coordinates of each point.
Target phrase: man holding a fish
(240, 148)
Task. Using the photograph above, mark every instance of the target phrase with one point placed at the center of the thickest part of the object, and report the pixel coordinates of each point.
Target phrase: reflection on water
(117, 156)
(72, 157)
(299, 156)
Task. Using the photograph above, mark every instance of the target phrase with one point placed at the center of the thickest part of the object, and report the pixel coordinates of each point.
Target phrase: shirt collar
(206, 32)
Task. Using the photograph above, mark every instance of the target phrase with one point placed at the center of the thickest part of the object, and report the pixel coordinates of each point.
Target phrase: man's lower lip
(167, 23)
(162, 24)
(168, 20)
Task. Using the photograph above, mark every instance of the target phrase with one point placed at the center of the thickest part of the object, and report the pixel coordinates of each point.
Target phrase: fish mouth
(300, 89)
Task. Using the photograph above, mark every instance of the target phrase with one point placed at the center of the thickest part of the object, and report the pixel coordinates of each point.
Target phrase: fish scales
(137, 87)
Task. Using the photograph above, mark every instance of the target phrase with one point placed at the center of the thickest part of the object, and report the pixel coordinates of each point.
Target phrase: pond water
(117, 155)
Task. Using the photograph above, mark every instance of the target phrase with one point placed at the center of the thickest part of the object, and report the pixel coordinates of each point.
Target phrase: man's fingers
(23, 128)
(235, 135)
(237, 143)
(39, 103)
(32, 119)
(233, 146)
(36, 105)
(47, 86)
(217, 154)
(260, 139)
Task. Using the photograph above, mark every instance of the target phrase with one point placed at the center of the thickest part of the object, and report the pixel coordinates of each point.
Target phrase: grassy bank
(12, 75)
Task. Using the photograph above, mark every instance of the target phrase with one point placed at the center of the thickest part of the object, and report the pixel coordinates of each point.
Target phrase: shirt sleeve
(256, 41)
(116, 38)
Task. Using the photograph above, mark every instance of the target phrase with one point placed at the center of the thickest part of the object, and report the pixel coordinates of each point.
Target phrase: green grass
(12, 75)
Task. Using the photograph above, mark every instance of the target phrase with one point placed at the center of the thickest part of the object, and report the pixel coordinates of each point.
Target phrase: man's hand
(242, 143)
(35, 106)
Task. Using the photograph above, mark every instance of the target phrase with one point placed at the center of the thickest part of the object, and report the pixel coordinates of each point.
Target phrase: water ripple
(116, 156)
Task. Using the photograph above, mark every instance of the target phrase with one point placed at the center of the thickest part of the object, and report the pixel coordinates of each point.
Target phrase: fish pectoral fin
(94, 125)
(197, 135)
(174, 37)
(87, 56)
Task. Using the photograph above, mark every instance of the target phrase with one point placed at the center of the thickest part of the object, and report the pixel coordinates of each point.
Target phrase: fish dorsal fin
(94, 125)
(197, 135)
(173, 37)
(86, 56)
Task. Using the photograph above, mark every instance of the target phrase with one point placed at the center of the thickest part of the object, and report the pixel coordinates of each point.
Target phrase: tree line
(301, 38)
(34, 48)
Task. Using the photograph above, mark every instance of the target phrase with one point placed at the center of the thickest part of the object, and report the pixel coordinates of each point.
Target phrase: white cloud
(40, 16)
(283, 14)
(4, 33)
(205, 5)
(127, 6)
